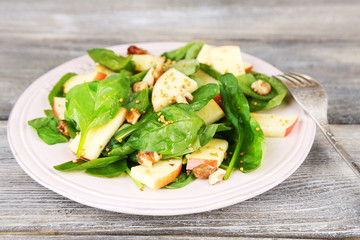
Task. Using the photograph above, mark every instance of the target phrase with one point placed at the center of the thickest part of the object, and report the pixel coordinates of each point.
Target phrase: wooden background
(319, 38)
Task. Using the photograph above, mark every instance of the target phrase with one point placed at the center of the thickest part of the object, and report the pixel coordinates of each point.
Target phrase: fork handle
(325, 128)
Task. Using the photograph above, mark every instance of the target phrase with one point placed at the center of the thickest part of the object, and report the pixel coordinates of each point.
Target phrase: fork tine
(306, 77)
(285, 81)
(289, 80)
(299, 79)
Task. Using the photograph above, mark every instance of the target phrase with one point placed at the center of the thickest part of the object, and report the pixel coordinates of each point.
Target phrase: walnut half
(148, 158)
(261, 87)
(203, 171)
(62, 127)
(135, 50)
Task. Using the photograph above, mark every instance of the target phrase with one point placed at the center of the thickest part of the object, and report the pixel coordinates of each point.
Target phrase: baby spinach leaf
(121, 150)
(139, 101)
(46, 129)
(277, 86)
(203, 95)
(49, 112)
(238, 113)
(112, 170)
(111, 60)
(210, 71)
(207, 132)
(198, 80)
(181, 181)
(187, 66)
(71, 129)
(57, 90)
(137, 77)
(189, 51)
(82, 164)
(245, 82)
(95, 103)
(174, 138)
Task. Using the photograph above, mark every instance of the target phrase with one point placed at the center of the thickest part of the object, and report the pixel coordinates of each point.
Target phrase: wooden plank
(220, 20)
(337, 70)
(320, 200)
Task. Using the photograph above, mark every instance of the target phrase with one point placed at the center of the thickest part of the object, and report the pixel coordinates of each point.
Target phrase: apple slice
(159, 175)
(205, 77)
(212, 153)
(247, 66)
(99, 73)
(211, 113)
(149, 78)
(98, 137)
(204, 55)
(274, 125)
(227, 59)
(59, 107)
(145, 61)
(171, 86)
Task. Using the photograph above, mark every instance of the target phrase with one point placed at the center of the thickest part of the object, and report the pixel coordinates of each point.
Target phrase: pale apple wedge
(274, 125)
(145, 61)
(204, 55)
(211, 113)
(59, 107)
(247, 66)
(97, 138)
(159, 175)
(171, 86)
(149, 78)
(212, 153)
(227, 59)
(99, 73)
(205, 77)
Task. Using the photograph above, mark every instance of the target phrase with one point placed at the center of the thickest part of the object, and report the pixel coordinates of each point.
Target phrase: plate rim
(144, 211)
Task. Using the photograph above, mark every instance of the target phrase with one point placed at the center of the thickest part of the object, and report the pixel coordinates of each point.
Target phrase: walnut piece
(135, 50)
(261, 87)
(62, 127)
(203, 171)
(139, 86)
(133, 116)
(148, 158)
(217, 176)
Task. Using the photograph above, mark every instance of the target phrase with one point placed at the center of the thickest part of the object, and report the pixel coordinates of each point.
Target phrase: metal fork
(313, 99)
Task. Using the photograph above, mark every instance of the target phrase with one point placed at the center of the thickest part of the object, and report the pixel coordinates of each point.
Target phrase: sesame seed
(255, 103)
(75, 161)
(137, 101)
(257, 129)
(194, 147)
(238, 107)
(120, 140)
(107, 149)
(241, 169)
(144, 111)
(241, 161)
(104, 96)
(121, 100)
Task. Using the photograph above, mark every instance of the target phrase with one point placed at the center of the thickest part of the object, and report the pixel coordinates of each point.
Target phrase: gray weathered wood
(320, 200)
(319, 38)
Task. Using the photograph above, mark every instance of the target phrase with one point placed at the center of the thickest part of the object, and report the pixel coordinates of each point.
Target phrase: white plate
(283, 156)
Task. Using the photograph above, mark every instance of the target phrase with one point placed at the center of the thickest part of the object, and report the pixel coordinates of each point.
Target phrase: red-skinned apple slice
(59, 107)
(100, 76)
(247, 66)
(274, 125)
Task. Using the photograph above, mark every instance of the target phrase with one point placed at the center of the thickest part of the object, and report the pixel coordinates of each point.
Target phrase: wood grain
(320, 200)
(319, 38)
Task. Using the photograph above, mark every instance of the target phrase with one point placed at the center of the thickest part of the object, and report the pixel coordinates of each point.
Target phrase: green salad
(165, 120)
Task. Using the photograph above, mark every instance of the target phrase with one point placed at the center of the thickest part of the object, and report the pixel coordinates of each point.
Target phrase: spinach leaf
(198, 80)
(49, 112)
(238, 113)
(276, 85)
(139, 101)
(57, 90)
(137, 77)
(245, 82)
(112, 170)
(187, 67)
(110, 60)
(93, 104)
(189, 51)
(82, 164)
(207, 132)
(177, 137)
(46, 129)
(210, 71)
(121, 150)
(71, 129)
(203, 95)
(181, 181)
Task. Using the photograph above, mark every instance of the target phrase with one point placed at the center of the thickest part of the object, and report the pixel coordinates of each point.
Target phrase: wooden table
(320, 38)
